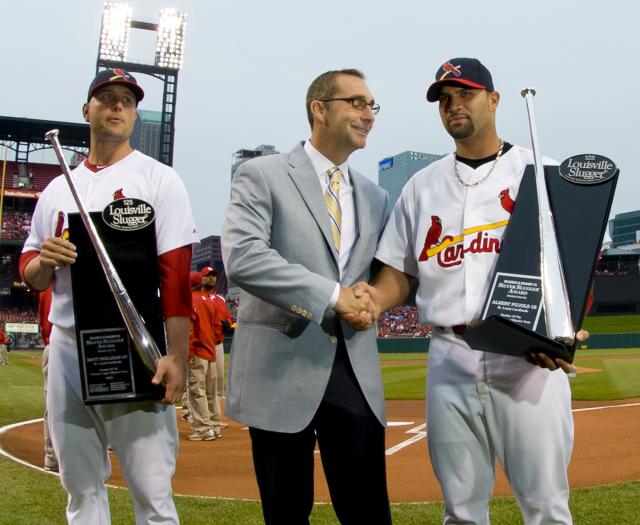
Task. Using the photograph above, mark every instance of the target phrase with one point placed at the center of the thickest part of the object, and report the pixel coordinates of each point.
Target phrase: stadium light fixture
(114, 35)
(170, 44)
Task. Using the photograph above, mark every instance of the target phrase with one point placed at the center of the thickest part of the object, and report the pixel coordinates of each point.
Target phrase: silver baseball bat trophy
(554, 286)
(144, 343)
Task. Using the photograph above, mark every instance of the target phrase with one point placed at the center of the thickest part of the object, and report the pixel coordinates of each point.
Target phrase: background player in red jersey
(222, 327)
(202, 381)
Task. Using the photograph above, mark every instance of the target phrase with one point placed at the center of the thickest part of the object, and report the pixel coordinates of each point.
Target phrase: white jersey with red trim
(449, 235)
(480, 406)
(137, 176)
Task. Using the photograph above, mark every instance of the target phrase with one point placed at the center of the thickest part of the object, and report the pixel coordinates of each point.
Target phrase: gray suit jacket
(277, 246)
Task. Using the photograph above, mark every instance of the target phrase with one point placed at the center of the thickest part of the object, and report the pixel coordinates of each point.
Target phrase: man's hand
(54, 253)
(57, 252)
(364, 318)
(172, 373)
(544, 361)
(356, 308)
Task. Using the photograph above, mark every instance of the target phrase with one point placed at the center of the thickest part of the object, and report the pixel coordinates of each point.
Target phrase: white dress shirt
(321, 164)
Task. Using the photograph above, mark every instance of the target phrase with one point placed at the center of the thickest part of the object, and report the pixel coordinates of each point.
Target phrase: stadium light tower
(169, 52)
(114, 33)
(170, 46)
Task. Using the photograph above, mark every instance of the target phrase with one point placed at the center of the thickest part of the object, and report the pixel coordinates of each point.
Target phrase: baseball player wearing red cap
(446, 230)
(143, 434)
(202, 381)
(223, 324)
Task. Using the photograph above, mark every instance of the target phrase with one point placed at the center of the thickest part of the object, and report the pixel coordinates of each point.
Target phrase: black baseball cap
(468, 72)
(116, 76)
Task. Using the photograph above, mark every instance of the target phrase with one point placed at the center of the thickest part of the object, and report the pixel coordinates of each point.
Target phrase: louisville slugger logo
(449, 69)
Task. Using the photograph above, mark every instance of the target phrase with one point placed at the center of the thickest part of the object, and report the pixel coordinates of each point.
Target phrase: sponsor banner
(25, 328)
(26, 194)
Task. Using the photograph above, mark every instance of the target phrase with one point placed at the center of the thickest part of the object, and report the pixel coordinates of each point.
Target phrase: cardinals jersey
(137, 176)
(222, 313)
(449, 235)
(204, 317)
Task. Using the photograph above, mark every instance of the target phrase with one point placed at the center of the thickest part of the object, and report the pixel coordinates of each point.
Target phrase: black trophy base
(501, 336)
(111, 370)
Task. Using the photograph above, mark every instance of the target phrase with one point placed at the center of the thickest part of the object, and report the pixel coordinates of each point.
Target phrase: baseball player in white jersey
(143, 434)
(446, 231)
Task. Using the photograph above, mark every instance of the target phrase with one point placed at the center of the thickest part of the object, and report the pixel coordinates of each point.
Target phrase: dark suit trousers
(352, 449)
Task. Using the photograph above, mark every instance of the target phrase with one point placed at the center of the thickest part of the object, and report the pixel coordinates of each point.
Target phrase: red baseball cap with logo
(468, 72)
(115, 76)
(207, 270)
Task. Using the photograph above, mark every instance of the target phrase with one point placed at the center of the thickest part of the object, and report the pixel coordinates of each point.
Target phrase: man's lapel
(304, 177)
(362, 217)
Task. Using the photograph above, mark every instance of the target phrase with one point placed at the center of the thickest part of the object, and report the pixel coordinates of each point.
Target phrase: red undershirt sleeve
(25, 259)
(175, 288)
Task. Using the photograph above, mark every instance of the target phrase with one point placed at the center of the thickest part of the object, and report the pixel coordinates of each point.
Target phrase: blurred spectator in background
(4, 343)
(202, 379)
(222, 327)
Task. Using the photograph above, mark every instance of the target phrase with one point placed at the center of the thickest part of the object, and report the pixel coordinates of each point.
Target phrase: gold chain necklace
(464, 183)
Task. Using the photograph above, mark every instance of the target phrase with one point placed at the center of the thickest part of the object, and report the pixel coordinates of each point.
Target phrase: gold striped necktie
(332, 200)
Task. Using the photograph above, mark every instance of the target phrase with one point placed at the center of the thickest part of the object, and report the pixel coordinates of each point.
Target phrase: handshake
(359, 306)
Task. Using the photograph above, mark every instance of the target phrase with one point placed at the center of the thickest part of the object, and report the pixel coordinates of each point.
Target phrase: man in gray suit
(299, 230)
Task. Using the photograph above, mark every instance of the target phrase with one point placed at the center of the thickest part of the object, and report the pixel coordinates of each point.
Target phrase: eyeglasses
(357, 103)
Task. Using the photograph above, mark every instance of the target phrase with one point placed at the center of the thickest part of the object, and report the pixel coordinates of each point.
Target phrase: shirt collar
(321, 163)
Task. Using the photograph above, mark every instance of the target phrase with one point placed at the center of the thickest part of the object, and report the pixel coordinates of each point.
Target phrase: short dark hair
(324, 87)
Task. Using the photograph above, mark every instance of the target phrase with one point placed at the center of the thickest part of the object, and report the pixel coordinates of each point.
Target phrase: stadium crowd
(402, 321)
(15, 225)
(232, 305)
(17, 314)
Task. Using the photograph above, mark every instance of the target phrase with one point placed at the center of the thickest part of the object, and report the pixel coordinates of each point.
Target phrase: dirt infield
(605, 451)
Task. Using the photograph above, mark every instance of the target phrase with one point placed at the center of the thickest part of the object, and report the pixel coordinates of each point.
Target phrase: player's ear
(494, 99)
(85, 111)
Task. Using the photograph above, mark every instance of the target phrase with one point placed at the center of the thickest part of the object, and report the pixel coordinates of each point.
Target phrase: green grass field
(614, 324)
(31, 497)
